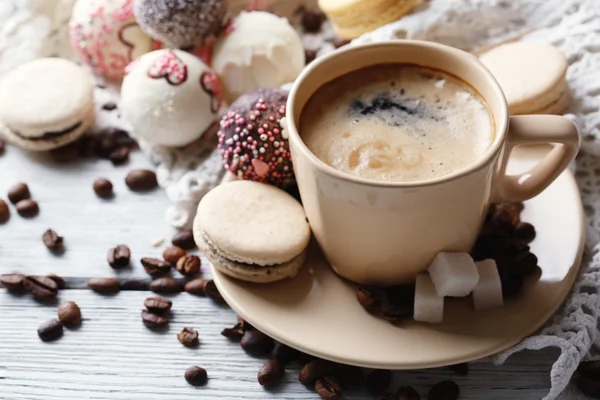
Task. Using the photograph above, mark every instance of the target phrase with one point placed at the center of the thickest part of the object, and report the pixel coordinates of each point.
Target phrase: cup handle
(536, 129)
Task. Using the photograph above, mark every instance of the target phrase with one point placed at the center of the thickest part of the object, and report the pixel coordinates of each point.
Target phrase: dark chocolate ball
(250, 138)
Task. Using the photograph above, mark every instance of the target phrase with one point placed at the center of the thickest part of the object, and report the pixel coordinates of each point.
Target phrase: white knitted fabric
(34, 28)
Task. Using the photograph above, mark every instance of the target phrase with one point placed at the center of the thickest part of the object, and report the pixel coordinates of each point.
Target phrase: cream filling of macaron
(48, 135)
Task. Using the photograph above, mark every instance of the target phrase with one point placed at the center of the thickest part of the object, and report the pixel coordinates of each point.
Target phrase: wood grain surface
(112, 355)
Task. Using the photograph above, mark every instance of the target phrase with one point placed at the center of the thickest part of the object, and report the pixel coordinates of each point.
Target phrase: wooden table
(112, 355)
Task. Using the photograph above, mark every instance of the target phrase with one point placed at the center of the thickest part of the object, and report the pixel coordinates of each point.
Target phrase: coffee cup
(385, 233)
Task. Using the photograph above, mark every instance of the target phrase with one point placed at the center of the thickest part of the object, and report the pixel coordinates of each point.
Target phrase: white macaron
(46, 103)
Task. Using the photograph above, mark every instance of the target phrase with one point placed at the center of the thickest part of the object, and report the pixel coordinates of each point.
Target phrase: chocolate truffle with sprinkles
(251, 142)
(181, 23)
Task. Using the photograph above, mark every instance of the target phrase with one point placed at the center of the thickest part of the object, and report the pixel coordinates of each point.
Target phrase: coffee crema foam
(397, 123)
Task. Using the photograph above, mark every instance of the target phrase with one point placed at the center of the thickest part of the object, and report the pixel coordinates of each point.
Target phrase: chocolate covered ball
(250, 138)
(180, 23)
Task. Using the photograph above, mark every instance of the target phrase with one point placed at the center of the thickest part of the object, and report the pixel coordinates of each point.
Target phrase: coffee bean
(368, 299)
(309, 56)
(284, 354)
(402, 295)
(461, 369)
(103, 188)
(245, 325)
(158, 304)
(165, 285)
(350, 377)
(339, 42)
(525, 232)
(184, 239)
(378, 381)
(119, 256)
(195, 286)
(153, 321)
(105, 143)
(407, 393)
(444, 390)
(141, 180)
(188, 337)
(589, 385)
(388, 396)
(53, 241)
(395, 315)
(512, 286)
(109, 106)
(234, 333)
(314, 370)
(104, 285)
(196, 376)
(211, 291)
(305, 359)
(188, 265)
(41, 287)
(155, 266)
(328, 388)
(13, 282)
(60, 282)
(311, 21)
(123, 139)
(66, 154)
(270, 373)
(135, 284)
(256, 343)
(4, 212)
(120, 155)
(69, 314)
(50, 330)
(172, 254)
(525, 263)
(27, 208)
(18, 192)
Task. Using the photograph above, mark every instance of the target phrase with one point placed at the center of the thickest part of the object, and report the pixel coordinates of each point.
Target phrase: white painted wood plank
(113, 356)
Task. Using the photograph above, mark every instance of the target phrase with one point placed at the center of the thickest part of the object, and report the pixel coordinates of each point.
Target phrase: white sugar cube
(429, 307)
(488, 292)
(453, 274)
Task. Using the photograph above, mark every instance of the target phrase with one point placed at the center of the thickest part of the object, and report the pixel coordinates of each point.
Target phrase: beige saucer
(317, 311)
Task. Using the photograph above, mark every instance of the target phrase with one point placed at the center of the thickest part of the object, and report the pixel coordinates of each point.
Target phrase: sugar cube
(429, 307)
(453, 274)
(488, 292)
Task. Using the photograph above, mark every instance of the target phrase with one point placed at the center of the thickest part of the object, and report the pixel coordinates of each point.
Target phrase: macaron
(252, 231)
(46, 103)
(532, 77)
(352, 18)
(170, 97)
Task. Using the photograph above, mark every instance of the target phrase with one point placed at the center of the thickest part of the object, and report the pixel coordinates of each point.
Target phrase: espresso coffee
(397, 123)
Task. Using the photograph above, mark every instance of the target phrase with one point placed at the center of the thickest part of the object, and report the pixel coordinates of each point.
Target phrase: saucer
(317, 311)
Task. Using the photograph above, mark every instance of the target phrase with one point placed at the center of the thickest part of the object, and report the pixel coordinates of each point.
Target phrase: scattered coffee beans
(105, 143)
(311, 21)
(158, 304)
(256, 343)
(27, 208)
(328, 388)
(53, 241)
(461, 369)
(69, 314)
(4, 212)
(444, 390)
(188, 337)
(119, 256)
(172, 254)
(270, 373)
(155, 266)
(309, 56)
(110, 106)
(141, 180)
(524, 231)
(66, 154)
(196, 376)
(368, 299)
(135, 284)
(284, 354)
(120, 155)
(234, 333)
(211, 291)
(104, 285)
(165, 285)
(12, 282)
(50, 330)
(195, 286)
(153, 321)
(378, 381)
(60, 282)
(397, 314)
(339, 42)
(18, 192)
(188, 265)
(41, 287)
(407, 393)
(314, 370)
(103, 188)
(350, 377)
(184, 239)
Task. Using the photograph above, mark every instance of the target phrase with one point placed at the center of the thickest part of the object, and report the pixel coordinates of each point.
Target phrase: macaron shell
(557, 107)
(45, 95)
(530, 74)
(253, 223)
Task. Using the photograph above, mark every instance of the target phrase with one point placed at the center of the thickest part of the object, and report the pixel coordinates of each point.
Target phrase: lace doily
(35, 28)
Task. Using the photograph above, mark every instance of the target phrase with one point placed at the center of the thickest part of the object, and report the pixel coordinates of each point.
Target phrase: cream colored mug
(385, 233)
